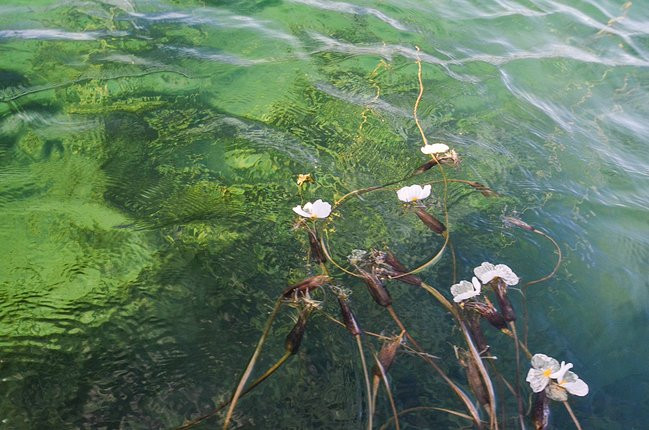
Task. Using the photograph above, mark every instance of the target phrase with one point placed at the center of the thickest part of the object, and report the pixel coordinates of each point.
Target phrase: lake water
(148, 158)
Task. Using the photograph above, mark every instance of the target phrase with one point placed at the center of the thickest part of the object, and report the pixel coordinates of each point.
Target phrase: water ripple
(55, 34)
(353, 9)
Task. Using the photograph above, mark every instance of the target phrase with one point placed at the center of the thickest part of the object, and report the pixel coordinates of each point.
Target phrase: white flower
(543, 367)
(569, 380)
(465, 290)
(413, 193)
(435, 148)
(317, 209)
(487, 271)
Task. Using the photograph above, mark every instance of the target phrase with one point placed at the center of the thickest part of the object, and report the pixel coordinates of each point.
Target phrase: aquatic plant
(376, 269)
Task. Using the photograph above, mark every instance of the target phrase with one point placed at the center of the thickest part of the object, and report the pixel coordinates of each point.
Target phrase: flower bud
(348, 317)
(387, 355)
(377, 289)
(317, 254)
(430, 221)
(294, 338)
(488, 312)
(398, 269)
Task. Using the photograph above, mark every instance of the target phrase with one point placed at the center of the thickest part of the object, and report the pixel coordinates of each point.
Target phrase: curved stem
(471, 408)
(572, 415)
(544, 278)
(395, 414)
(427, 408)
(519, 400)
(258, 381)
(370, 406)
(251, 364)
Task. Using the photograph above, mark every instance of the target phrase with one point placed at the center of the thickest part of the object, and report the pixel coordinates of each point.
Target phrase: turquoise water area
(148, 158)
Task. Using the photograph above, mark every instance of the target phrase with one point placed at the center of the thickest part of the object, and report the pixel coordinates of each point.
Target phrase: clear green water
(148, 153)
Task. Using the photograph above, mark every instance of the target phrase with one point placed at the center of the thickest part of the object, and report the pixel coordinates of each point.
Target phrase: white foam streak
(55, 34)
(353, 9)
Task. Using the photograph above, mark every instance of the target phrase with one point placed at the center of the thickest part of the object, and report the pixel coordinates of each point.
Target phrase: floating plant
(468, 306)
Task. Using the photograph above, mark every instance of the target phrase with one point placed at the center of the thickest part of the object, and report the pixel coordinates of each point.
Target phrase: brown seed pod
(475, 329)
(485, 190)
(376, 288)
(348, 317)
(387, 355)
(506, 308)
(540, 411)
(317, 254)
(306, 285)
(510, 220)
(473, 377)
(399, 269)
(488, 312)
(424, 167)
(430, 221)
(294, 338)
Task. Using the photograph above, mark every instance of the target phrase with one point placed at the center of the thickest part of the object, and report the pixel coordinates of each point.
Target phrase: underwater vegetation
(476, 306)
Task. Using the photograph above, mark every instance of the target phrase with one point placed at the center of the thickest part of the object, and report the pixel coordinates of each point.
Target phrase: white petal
(559, 374)
(476, 284)
(462, 291)
(543, 362)
(536, 379)
(485, 272)
(298, 210)
(506, 274)
(425, 192)
(578, 387)
(435, 148)
(321, 209)
(404, 194)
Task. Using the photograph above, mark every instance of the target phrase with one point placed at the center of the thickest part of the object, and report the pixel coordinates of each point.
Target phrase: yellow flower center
(414, 199)
(547, 373)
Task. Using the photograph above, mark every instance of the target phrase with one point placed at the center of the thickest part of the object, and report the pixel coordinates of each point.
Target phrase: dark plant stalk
(474, 352)
(258, 381)
(519, 400)
(352, 326)
(383, 376)
(506, 308)
(251, 364)
(471, 408)
(540, 411)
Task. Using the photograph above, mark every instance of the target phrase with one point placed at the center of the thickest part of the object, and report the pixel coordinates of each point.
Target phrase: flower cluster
(484, 274)
(556, 379)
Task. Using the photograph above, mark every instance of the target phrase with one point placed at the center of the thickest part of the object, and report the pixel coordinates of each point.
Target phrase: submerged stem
(366, 376)
(251, 364)
(572, 415)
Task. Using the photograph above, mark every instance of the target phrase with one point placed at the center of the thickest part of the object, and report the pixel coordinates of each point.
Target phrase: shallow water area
(148, 158)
